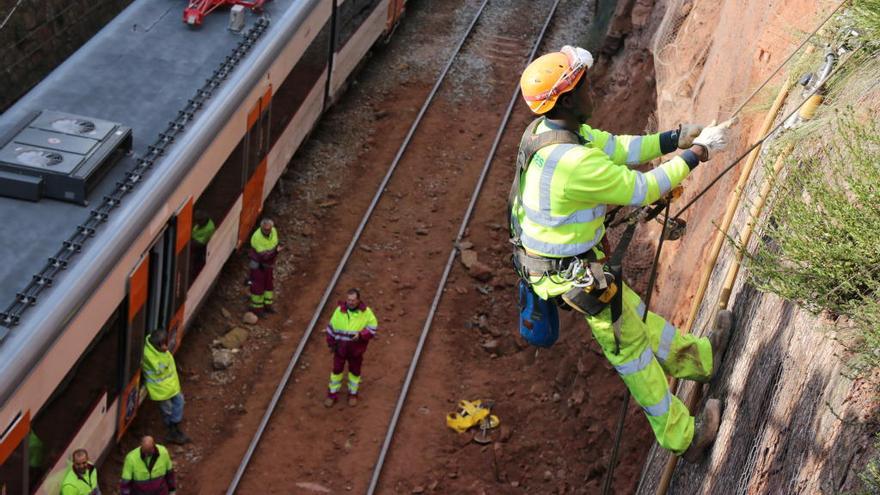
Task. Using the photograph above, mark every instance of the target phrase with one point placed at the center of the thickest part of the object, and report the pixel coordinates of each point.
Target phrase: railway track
(426, 182)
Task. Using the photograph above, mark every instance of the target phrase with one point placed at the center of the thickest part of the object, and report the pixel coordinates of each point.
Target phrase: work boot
(719, 337)
(329, 401)
(352, 400)
(269, 309)
(175, 435)
(705, 429)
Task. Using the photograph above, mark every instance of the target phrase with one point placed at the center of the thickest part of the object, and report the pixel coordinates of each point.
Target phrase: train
(150, 129)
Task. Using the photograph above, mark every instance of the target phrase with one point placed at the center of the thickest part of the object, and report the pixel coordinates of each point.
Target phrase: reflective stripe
(552, 249)
(660, 408)
(637, 364)
(547, 175)
(662, 180)
(665, 341)
(579, 216)
(634, 154)
(640, 191)
(640, 310)
(610, 145)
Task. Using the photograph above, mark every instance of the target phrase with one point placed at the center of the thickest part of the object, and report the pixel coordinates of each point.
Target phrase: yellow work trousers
(649, 351)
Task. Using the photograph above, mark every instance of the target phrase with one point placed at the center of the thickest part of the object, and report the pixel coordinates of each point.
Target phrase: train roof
(139, 71)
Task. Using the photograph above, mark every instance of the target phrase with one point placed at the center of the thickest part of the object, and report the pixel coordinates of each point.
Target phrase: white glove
(715, 137)
(686, 135)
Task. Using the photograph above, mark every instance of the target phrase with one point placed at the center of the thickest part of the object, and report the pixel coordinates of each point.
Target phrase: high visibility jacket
(202, 233)
(154, 475)
(85, 484)
(260, 243)
(346, 323)
(565, 188)
(36, 451)
(160, 373)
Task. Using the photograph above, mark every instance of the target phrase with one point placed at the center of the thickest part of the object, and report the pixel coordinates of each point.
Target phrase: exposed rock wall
(793, 422)
(41, 34)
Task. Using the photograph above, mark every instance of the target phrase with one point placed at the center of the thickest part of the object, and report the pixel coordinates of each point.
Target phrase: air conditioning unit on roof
(60, 156)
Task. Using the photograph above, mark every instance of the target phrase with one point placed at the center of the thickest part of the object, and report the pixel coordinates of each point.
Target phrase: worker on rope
(264, 249)
(351, 327)
(567, 173)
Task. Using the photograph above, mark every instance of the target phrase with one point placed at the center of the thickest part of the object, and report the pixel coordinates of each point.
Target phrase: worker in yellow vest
(202, 231)
(148, 470)
(82, 477)
(567, 173)
(351, 327)
(163, 384)
(264, 249)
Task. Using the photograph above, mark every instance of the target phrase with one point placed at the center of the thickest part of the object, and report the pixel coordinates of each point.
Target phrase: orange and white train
(102, 166)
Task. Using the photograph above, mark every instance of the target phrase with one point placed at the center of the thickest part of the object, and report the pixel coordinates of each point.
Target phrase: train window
(350, 16)
(14, 472)
(255, 151)
(97, 371)
(215, 202)
(293, 91)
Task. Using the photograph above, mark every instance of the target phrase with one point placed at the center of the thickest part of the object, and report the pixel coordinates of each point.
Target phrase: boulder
(221, 358)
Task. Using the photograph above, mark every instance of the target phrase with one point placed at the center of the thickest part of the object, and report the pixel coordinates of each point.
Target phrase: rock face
(793, 423)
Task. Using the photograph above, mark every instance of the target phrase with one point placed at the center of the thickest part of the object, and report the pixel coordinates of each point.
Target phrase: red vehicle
(198, 9)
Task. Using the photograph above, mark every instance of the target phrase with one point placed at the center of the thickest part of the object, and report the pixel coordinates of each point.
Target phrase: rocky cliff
(793, 421)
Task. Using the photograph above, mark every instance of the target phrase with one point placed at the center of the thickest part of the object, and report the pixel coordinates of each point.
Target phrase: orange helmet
(550, 75)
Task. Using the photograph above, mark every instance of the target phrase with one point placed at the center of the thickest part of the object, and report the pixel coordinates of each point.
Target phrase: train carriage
(150, 128)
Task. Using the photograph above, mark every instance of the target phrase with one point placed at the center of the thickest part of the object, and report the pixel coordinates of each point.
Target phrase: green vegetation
(821, 237)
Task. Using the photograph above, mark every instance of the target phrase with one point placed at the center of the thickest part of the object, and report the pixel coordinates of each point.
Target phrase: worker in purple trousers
(264, 249)
(351, 327)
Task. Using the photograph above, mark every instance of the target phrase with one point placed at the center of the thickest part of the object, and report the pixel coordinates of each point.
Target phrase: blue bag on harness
(538, 318)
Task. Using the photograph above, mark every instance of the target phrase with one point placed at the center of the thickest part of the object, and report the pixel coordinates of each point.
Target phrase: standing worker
(163, 384)
(82, 478)
(567, 173)
(351, 327)
(264, 249)
(148, 470)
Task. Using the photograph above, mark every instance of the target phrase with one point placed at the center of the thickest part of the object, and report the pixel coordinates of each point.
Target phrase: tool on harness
(538, 318)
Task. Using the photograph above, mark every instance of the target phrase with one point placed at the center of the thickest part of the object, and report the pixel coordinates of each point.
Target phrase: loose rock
(250, 318)
(468, 258)
(234, 338)
(221, 358)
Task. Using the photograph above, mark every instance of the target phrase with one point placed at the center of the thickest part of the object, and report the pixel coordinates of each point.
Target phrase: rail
(282, 384)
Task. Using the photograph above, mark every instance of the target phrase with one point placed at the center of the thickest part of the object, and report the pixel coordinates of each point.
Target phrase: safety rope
(652, 279)
(761, 141)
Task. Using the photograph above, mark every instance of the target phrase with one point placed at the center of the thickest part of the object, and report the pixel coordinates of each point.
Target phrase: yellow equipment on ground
(470, 414)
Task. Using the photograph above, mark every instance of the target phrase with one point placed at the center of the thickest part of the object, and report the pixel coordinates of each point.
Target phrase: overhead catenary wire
(9, 14)
(386, 444)
(282, 384)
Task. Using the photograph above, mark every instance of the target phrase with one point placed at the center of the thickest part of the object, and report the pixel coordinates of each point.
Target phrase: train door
(257, 149)
(138, 289)
(161, 279)
(14, 464)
